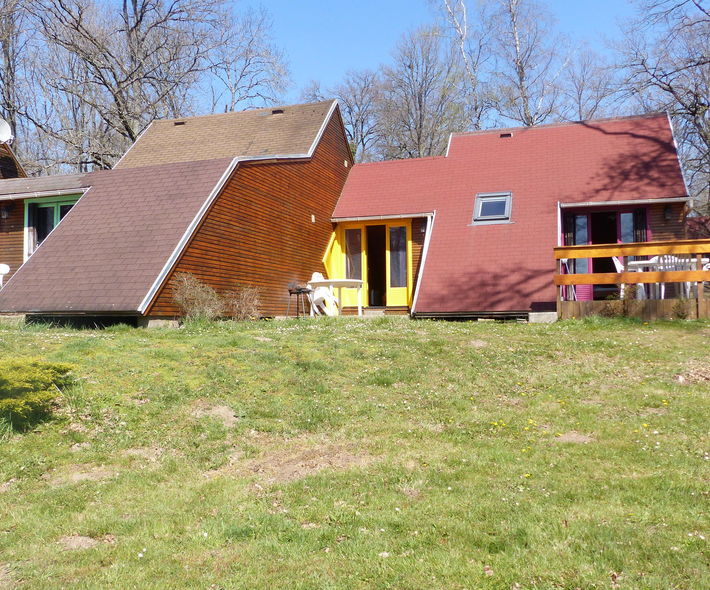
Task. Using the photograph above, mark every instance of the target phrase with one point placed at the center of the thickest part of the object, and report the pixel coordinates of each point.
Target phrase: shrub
(196, 300)
(28, 389)
(243, 303)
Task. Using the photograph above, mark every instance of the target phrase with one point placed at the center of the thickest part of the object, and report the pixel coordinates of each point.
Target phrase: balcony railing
(691, 255)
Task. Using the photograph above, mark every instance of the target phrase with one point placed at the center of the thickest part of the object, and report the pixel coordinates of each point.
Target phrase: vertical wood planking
(12, 237)
(259, 230)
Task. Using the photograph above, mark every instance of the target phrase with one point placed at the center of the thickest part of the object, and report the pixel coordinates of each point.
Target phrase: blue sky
(323, 40)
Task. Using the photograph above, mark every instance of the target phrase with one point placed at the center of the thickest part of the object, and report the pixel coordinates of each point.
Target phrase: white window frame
(482, 198)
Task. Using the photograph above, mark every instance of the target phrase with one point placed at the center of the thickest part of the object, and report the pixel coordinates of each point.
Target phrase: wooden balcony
(641, 288)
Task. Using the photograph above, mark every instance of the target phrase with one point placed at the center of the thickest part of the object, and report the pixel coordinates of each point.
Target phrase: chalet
(472, 233)
(509, 223)
(236, 199)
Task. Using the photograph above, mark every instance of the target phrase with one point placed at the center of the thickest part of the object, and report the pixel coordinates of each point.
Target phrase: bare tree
(103, 70)
(590, 86)
(472, 39)
(12, 41)
(666, 54)
(424, 97)
(528, 62)
(358, 96)
(247, 68)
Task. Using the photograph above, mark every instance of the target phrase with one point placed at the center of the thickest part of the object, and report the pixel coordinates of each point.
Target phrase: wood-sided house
(267, 197)
(235, 199)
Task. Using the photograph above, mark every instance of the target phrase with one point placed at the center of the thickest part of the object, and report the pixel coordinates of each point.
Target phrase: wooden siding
(671, 229)
(9, 166)
(259, 231)
(12, 236)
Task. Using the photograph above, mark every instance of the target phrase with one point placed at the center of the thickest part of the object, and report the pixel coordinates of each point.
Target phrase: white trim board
(427, 239)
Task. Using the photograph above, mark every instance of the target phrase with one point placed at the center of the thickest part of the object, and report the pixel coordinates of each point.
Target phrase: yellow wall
(334, 261)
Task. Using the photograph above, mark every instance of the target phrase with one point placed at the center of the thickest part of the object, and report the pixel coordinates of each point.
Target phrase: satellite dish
(5, 132)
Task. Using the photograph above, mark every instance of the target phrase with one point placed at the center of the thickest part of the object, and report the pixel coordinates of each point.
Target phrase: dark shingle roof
(274, 131)
(113, 244)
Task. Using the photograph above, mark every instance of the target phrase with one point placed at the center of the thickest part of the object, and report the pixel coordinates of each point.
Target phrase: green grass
(376, 454)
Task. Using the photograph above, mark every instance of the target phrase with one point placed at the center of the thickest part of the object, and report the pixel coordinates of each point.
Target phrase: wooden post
(700, 288)
(559, 290)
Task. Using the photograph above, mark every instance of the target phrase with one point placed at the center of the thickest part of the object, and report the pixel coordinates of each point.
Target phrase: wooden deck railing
(694, 249)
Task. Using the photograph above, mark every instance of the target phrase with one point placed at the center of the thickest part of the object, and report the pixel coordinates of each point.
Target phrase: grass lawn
(364, 454)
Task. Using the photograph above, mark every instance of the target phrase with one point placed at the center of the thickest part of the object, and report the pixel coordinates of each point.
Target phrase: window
(398, 256)
(41, 217)
(492, 208)
(353, 254)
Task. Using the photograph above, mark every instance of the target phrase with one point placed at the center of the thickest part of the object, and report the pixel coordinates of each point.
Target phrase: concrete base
(542, 317)
(157, 323)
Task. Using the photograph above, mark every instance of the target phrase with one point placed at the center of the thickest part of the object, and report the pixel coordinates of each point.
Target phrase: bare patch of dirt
(224, 414)
(478, 343)
(6, 578)
(411, 492)
(4, 487)
(263, 339)
(79, 446)
(290, 464)
(77, 474)
(694, 375)
(75, 542)
(151, 454)
(574, 437)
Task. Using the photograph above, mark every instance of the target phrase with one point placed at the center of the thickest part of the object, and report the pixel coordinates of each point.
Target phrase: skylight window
(492, 208)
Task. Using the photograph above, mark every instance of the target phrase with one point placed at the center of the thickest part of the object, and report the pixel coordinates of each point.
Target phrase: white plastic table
(340, 284)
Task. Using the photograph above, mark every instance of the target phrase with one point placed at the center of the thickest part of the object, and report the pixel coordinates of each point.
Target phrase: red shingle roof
(112, 245)
(506, 267)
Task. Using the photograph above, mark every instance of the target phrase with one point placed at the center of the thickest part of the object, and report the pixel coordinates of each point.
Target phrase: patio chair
(569, 289)
(671, 262)
(323, 302)
(4, 270)
(619, 268)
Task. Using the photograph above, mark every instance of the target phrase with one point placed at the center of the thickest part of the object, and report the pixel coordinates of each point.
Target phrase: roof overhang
(627, 202)
(39, 194)
(381, 217)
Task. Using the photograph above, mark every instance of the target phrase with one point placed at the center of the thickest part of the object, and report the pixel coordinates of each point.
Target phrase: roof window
(490, 208)
(505, 135)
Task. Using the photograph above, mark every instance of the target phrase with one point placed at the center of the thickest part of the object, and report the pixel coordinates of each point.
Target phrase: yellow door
(380, 254)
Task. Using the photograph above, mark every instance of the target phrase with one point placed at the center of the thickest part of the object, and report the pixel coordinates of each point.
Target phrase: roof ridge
(400, 160)
(245, 111)
(560, 124)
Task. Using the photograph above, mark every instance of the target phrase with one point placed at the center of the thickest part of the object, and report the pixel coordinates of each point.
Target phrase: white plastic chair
(321, 299)
(569, 289)
(671, 262)
(4, 270)
(619, 268)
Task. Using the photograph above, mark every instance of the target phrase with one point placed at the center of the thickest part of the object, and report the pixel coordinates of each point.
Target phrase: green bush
(28, 388)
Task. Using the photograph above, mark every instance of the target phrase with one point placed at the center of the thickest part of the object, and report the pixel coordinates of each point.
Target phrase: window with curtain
(353, 254)
(398, 256)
